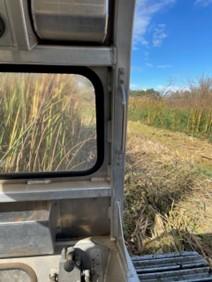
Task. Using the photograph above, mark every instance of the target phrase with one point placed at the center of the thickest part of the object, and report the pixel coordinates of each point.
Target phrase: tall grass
(185, 111)
(42, 127)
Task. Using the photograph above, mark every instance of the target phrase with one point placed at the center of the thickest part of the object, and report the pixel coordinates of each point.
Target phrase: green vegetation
(42, 128)
(187, 111)
(168, 182)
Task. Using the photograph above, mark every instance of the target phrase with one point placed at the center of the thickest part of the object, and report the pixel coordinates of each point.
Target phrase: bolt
(53, 276)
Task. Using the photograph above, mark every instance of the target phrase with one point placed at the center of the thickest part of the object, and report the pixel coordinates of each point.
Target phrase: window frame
(99, 104)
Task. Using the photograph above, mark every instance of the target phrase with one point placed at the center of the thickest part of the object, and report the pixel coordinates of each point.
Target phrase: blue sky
(172, 43)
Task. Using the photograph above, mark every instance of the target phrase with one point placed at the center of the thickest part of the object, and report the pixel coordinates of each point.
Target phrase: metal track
(183, 267)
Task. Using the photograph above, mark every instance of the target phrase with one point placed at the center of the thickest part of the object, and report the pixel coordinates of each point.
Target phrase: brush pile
(166, 200)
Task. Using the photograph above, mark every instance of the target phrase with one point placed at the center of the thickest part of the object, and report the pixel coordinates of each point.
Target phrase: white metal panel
(53, 191)
(60, 55)
(82, 20)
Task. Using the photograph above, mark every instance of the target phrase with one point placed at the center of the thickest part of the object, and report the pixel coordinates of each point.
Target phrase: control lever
(75, 265)
(69, 263)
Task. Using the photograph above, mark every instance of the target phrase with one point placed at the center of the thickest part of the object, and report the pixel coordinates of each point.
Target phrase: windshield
(47, 123)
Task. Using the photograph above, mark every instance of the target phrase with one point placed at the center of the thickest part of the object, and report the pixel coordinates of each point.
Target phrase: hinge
(124, 107)
(109, 131)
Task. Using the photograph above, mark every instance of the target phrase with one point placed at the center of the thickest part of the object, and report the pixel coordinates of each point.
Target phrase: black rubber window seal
(99, 97)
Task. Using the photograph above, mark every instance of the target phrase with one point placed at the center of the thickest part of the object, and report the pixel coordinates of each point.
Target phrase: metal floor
(183, 267)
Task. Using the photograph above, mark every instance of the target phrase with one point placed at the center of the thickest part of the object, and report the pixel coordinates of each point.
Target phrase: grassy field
(168, 191)
(188, 111)
(168, 185)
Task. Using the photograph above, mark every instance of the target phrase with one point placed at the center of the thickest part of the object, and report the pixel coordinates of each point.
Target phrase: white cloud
(145, 11)
(166, 89)
(134, 86)
(165, 66)
(159, 34)
(203, 3)
(149, 65)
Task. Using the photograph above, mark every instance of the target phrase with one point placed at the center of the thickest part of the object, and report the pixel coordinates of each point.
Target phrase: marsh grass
(42, 123)
(168, 182)
(183, 111)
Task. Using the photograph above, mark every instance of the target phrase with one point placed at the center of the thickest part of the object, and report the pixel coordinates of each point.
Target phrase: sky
(172, 43)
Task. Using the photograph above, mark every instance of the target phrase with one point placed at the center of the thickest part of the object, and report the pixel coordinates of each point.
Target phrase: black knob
(69, 265)
(2, 27)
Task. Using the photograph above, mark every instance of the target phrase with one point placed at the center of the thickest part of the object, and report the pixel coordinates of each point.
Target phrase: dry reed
(41, 123)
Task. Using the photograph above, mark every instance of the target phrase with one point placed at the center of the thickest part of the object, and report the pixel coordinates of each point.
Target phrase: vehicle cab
(64, 80)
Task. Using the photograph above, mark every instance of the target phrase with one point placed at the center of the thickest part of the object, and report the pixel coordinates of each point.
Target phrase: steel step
(181, 267)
